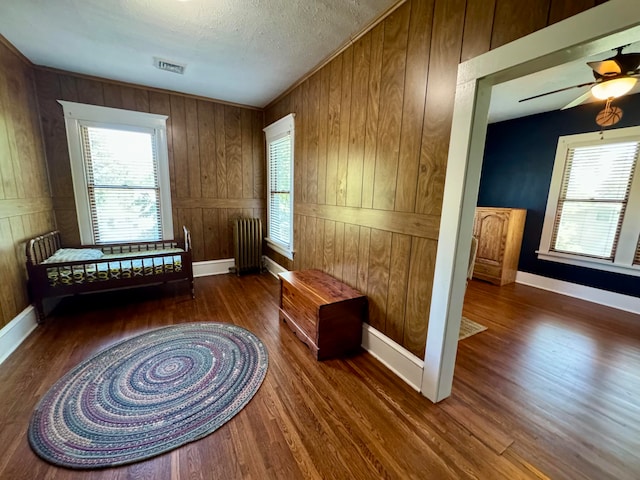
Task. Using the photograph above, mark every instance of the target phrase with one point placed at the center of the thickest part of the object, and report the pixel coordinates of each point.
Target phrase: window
(593, 210)
(119, 163)
(280, 141)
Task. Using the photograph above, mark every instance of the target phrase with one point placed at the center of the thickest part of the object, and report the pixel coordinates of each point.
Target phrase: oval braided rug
(147, 395)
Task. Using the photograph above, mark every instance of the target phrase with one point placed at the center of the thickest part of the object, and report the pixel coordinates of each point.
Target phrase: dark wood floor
(550, 390)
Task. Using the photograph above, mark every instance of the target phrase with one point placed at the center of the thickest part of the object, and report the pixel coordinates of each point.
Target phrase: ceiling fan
(614, 77)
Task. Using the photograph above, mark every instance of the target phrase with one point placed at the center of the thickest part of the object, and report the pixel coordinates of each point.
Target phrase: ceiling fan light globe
(613, 88)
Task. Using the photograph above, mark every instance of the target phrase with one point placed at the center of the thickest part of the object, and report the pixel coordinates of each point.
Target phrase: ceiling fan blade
(582, 98)
(556, 91)
(606, 68)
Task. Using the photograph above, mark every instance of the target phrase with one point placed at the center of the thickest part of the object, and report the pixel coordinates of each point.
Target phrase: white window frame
(78, 114)
(275, 131)
(630, 230)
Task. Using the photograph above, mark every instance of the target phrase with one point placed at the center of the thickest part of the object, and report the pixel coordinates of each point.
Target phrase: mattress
(116, 267)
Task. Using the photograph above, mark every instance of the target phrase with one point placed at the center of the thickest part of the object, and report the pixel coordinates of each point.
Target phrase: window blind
(593, 197)
(279, 155)
(122, 183)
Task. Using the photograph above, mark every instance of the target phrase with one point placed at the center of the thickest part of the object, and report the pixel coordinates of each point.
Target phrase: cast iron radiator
(247, 244)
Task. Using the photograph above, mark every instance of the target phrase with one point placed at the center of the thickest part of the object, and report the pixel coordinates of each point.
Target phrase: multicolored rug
(148, 395)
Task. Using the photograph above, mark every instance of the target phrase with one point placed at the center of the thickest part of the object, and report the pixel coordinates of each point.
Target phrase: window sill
(592, 263)
(278, 247)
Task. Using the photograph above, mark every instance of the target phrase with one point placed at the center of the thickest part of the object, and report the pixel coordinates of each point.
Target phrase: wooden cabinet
(499, 233)
(324, 313)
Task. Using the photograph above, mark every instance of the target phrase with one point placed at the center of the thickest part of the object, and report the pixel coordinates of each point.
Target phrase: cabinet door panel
(492, 229)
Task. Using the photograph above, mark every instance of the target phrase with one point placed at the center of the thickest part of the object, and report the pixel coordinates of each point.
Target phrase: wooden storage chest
(323, 312)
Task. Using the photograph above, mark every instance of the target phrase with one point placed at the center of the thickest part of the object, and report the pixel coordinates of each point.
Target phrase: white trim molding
(212, 267)
(590, 294)
(16, 331)
(395, 357)
(273, 267)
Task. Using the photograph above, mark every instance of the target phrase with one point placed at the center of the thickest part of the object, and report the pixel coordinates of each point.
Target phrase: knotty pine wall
(25, 201)
(372, 137)
(216, 157)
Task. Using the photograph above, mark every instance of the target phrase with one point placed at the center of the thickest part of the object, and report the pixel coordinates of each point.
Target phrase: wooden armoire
(499, 233)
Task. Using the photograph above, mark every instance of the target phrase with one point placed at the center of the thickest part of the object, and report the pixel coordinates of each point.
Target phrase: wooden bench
(323, 313)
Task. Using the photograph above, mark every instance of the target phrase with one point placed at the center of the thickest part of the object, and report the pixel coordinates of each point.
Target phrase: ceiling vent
(169, 66)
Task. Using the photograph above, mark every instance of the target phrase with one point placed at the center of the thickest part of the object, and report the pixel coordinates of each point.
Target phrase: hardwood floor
(550, 390)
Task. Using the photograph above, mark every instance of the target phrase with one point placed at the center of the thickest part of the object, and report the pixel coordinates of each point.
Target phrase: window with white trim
(593, 210)
(280, 145)
(119, 164)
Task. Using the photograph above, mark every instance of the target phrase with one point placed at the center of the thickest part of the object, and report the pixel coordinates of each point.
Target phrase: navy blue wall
(516, 172)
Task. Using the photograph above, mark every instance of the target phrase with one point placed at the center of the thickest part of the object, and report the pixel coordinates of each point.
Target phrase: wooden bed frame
(40, 248)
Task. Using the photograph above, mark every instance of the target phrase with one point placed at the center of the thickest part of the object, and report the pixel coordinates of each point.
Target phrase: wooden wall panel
(394, 57)
(216, 156)
(26, 209)
(381, 113)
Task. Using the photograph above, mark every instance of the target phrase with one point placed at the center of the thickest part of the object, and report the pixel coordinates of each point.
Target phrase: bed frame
(42, 247)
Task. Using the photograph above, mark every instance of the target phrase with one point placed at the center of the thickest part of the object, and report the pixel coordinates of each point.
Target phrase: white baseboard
(590, 294)
(16, 331)
(213, 267)
(395, 357)
(273, 267)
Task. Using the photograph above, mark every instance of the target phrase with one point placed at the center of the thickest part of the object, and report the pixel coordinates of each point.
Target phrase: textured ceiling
(242, 51)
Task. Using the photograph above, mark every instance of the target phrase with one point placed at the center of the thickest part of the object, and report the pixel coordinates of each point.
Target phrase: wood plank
(414, 224)
(333, 142)
(298, 158)
(221, 150)
(302, 140)
(112, 95)
(193, 148)
(142, 100)
(514, 20)
(128, 97)
(361, 59)
(398, 274)
(259, 164)
(373, 110)
(24, 206)
(310, 242)
(345, 114)
(338, 251)
(207, 147)
(394, 57)
(350, 263)
(90, 91)
(313, 117)
(246, 142)
(378, 278)
(329, 246)
(211, 230)
(561, 9)
(418, 45)
(301, 245)
(446, 44)
(323, 133)
(419, 286)
(180, 146)
(364, 244)
(233, 145)
(478, 25)
(319, 248)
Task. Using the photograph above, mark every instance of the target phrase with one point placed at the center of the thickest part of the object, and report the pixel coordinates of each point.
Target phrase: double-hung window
(280, 145)
(593, 210)
(119, 164)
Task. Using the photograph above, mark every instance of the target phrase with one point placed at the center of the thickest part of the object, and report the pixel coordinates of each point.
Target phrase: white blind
(122, 183)
(593, 198)
(279, 155)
